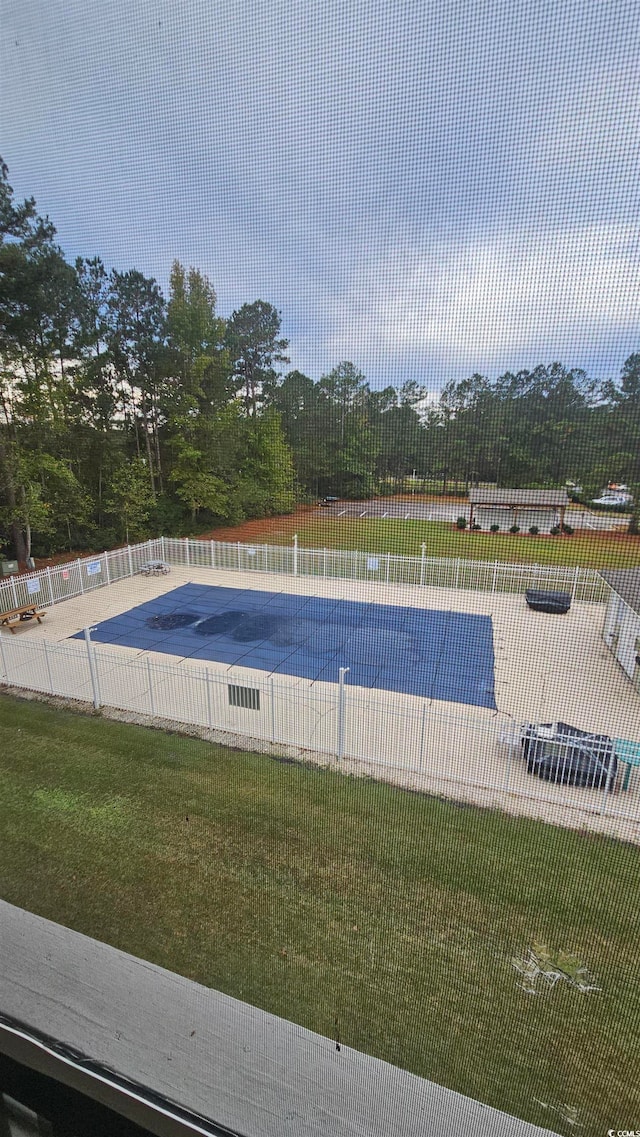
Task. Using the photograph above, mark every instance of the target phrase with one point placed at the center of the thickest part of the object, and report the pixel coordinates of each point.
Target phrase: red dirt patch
(262, 529)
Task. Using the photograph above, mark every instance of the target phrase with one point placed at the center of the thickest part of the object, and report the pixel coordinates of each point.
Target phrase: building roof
(626, 583)
(542, 498)
(183, 1045)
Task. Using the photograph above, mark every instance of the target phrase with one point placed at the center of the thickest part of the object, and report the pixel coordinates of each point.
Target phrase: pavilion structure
(545, 508)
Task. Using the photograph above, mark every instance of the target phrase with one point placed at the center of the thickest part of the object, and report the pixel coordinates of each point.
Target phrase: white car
(613, 499)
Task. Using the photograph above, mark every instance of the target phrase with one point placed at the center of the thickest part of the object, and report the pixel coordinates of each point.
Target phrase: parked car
(613, 499)
(558, 752)
(329, 501)
(615, 494)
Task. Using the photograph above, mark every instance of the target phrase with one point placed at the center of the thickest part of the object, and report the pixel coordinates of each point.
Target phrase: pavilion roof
(533, 498)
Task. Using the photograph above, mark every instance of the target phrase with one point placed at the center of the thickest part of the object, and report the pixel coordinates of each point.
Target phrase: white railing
(583, 584)
(467, 754)
(74, 578)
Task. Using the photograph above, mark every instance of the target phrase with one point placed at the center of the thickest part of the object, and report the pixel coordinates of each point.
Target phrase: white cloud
(592, 129)
(492, 300)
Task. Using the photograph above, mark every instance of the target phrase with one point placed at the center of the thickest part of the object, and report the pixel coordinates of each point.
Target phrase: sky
(427, 188)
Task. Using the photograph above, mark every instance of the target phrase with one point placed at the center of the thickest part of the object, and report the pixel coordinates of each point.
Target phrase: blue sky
(425, 188)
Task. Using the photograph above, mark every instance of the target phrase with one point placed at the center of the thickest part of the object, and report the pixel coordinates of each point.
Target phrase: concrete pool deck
(546, 667)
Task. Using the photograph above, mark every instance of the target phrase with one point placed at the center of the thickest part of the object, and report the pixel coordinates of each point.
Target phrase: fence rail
(584, 584)
(65, 581)
(455, 753)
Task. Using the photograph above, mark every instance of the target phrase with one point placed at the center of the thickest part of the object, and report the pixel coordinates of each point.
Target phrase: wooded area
(125, 414)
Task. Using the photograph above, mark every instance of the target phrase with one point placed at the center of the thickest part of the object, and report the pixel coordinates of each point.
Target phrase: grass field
(443, 540)
(594, 550)
(313, 896)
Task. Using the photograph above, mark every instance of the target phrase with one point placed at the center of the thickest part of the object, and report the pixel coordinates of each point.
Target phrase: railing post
(5, 673)
(212, 550)
(15, 594)
(238, 544)
(495, 576)
(48, 663)
(150, 678)
(422, 734)
(186, 548)
(457, 572)
(422, 562)
(130, 560)
(80, 576)
(209, 709)
(324, 562)
(611, 776)
(273, 711)
(51, 600)
(388, 564)
(576, 577)
(162, 552)
(341, 710)
(106, 565)
(92, 668)
(295, 554)
(507, 773)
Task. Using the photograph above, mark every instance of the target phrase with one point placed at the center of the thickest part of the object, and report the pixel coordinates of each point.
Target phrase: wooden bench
(18, 615)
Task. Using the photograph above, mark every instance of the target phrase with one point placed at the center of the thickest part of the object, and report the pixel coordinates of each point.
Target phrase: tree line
(125, 413)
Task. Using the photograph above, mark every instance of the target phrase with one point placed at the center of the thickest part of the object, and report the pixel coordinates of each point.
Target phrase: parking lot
(441, 510)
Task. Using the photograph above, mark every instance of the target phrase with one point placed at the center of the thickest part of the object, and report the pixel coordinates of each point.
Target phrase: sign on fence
(33, 586)
(372, 563)
(93, 568)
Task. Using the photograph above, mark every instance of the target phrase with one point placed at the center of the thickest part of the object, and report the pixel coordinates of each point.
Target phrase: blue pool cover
(436, 655)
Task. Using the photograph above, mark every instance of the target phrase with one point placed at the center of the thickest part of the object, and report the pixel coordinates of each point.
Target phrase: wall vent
(248, 697)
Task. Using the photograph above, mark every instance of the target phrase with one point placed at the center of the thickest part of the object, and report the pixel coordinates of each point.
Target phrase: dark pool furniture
(558, 752)
(155, 568)
(541, 601)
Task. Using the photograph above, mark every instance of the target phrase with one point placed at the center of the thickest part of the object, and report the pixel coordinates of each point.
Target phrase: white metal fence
(74, 578)
(435, 748)
(583, 584)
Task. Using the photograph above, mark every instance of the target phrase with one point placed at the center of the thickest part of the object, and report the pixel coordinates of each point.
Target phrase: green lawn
(444, 540)
(314, 895)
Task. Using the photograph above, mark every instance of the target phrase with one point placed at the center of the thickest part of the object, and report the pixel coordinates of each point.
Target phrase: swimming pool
(430, 653)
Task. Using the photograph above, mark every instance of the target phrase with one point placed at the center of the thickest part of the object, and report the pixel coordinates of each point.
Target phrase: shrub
(533, 529)
(555, 529)
(461, 523)
(514, 529)
(568, 530)
(495, 528)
